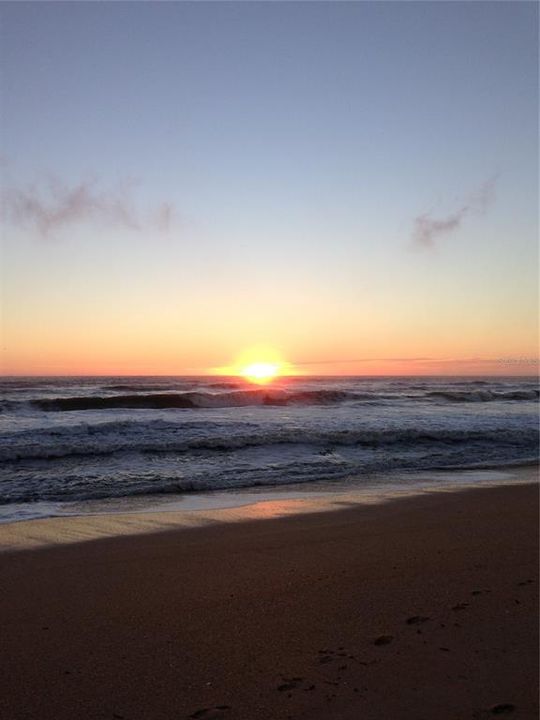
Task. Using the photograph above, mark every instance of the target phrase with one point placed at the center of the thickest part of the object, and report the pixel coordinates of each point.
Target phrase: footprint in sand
(383, 640)
(502, 709)
(290, 684)
(325, 659)
(417, 620)
(214, 713)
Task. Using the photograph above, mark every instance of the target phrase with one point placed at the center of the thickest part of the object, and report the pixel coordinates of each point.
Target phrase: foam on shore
(238, 507)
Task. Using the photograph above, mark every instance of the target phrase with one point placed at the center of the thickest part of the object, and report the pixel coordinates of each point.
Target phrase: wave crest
(481, 395)
(194, 400)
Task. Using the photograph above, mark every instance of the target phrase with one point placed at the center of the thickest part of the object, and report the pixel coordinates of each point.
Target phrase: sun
(260, 364)
(260, 372)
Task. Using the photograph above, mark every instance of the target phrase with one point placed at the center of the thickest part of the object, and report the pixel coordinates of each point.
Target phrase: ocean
(67, 442)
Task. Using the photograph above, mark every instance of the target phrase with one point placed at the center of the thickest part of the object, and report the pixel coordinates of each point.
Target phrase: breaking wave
(162, 437)
(193, 400)
(261, 396)
(483, 395)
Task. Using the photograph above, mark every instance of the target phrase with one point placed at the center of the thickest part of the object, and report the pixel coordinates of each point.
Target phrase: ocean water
(78, 440)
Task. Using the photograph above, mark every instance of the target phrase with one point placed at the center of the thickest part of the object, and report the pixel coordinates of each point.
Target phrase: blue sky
(294, 145)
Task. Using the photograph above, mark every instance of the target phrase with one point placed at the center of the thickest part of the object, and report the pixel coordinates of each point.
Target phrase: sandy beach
(422, 607)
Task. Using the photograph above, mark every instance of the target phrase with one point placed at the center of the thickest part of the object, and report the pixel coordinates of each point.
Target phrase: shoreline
(134, 516)
(419, 608)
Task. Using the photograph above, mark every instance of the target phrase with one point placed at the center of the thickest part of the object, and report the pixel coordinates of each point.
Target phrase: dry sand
(422, 608)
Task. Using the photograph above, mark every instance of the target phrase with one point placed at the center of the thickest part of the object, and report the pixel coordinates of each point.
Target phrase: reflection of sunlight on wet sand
(212, 508)
(61, 530)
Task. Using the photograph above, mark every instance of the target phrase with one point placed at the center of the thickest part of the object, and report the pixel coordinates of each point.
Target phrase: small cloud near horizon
(514, 360)
(428, 229)
(50, 206)
(361, 360)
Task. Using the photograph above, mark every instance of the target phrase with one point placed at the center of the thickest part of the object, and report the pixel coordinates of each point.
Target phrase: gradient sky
(354, 185)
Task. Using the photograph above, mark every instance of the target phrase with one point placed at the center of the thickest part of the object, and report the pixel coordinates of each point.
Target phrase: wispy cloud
(431, 361)
(428, 229)
(50, 206)
(164, 216)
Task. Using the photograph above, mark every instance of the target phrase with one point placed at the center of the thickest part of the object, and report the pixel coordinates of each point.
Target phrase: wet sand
(418, 608)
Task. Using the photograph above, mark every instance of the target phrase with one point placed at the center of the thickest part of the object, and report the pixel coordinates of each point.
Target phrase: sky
(349, 187)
